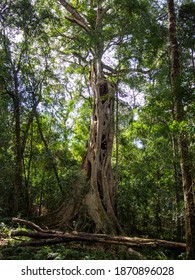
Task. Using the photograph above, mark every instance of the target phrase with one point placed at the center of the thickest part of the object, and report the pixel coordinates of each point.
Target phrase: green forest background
(46, 104)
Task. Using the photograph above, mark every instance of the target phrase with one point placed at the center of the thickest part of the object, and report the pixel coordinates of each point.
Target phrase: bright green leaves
(177, 127)
(142, 41)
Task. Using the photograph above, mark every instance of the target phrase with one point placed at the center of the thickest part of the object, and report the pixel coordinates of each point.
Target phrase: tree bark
(97, 162)
(18, 147)
(185, 160)
(178, 190)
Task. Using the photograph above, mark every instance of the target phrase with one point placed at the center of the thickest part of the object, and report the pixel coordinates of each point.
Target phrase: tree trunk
(178, 189)
(185, 161)
(18, 149)
(97, 193)
(51, 158)
(97, 162)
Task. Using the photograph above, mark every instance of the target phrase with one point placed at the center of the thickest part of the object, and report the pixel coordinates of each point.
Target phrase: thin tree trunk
(54, 166)
(116, 177)
(27, 167)
(178, 189)
(18, 148)
(185, 161)
(27, 170)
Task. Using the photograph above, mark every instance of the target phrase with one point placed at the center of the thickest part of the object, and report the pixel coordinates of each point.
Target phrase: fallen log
(54, 237)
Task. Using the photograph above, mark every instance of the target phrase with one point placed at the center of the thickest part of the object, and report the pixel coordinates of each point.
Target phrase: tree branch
(28, 223)
(77, 18)
(126, 70)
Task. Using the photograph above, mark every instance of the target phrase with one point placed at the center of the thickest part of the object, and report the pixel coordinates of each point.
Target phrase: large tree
(97, 30)
(96, 165)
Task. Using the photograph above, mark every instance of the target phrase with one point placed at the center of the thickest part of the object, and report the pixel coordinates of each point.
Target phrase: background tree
(179, 116)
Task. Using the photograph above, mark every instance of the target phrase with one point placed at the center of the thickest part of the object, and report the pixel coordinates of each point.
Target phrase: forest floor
(83, 252)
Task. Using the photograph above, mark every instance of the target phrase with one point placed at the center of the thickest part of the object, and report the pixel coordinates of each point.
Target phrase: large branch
(125, 70)
(77, 18)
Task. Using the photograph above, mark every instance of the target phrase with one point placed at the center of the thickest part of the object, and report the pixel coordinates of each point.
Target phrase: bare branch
(28, 223)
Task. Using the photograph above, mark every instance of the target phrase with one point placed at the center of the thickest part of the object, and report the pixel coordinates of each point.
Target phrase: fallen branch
(34, 226)
(54, 237)
(28, 223)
